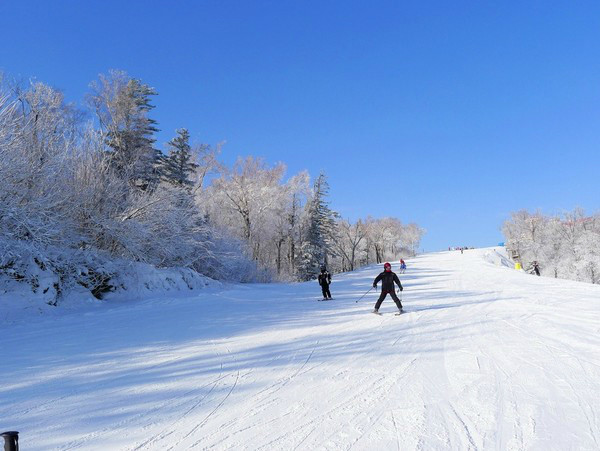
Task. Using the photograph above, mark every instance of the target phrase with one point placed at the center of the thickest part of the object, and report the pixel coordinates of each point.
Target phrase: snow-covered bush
(51, 271)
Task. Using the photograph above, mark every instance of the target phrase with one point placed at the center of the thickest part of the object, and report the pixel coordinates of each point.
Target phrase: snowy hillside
(485, 358)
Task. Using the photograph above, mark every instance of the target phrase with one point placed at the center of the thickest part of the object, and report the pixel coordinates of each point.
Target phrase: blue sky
(447, 114)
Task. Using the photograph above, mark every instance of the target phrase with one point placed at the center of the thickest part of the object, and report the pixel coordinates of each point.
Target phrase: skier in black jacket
(387, 278)
(324, 281)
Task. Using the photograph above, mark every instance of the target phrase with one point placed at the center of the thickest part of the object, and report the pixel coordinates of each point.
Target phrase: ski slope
(486, 358)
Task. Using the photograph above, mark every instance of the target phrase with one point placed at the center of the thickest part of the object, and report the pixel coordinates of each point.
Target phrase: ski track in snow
(484, 358)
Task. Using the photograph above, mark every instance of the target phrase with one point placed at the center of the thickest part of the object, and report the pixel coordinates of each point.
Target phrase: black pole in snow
(11, 440)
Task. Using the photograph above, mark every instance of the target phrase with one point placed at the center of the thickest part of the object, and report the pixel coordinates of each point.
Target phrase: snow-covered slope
(486, 358)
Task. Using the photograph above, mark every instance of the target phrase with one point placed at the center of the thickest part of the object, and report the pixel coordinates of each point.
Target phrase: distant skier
(387, 278)
(536, 268)
(402, 266)
(324, 281)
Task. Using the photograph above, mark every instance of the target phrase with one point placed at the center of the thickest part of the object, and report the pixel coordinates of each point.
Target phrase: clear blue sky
(447, 114)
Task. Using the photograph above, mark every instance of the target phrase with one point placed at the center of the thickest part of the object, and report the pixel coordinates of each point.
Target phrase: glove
(374, 285)
(401, 289)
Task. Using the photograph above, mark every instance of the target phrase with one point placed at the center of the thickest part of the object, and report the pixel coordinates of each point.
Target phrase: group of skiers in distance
(388, 279)
(461, 249)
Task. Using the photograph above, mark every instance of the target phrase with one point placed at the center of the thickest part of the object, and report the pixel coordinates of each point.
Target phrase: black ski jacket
(387, 281)
(324, 278)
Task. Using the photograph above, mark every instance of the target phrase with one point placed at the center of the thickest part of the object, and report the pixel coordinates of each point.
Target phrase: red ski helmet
(387, 265)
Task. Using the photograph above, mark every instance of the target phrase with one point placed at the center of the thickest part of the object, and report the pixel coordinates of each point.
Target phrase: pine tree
(178, 166)
(122, 105)
(293, 226)
(320, 234)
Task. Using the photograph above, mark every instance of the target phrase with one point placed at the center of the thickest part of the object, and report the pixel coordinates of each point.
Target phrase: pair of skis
(402, 312)
(395, 314)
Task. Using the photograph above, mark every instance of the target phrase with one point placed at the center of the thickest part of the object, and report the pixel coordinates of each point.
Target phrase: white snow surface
(486, 357)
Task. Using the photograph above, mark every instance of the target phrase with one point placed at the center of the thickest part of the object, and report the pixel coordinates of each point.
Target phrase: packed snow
(486, 357)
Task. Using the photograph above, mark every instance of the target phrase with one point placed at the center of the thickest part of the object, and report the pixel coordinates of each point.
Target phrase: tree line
(85, 186)
(566, 246)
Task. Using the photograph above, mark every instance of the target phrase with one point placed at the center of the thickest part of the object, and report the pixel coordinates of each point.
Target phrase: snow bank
(497, 257)
(142, 280)
(33, 283)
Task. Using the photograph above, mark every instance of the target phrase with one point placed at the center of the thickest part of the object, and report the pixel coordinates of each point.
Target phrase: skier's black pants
(325, 289)
(382, 297)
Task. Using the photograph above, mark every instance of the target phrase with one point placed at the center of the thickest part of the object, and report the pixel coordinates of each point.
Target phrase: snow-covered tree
(347, 246)
(247, 190)
(122, 105)
(286, 221)
(373, 240)
(179, 167)
(566, 246)
(37, 151)
(206, 162)
(320, 231)
(587, 249)
(410, 238)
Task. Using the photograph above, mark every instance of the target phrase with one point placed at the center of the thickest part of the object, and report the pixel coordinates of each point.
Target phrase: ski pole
(364, 295)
